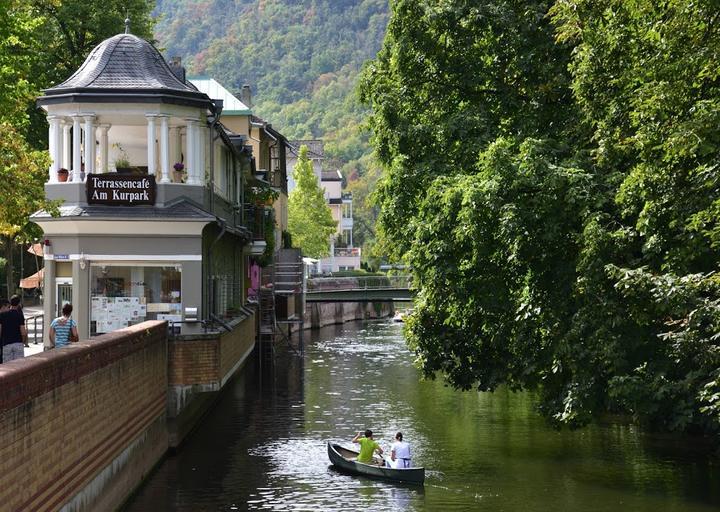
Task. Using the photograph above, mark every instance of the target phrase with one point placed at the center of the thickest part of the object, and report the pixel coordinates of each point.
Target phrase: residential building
(343, 255)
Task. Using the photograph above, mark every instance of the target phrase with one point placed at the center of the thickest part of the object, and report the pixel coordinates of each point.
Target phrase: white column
(67, 145)
(202, 152)
(175, 145)
(151, 153)
(164, 150)
(104, 148)
(89, 144)
(54, 128)
(191, 152)
(77, 157)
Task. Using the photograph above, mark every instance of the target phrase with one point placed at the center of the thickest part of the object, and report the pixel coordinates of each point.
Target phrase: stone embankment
(319, 314)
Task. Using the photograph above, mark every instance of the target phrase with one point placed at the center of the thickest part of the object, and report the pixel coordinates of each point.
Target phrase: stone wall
(81, 426)
(320, 314)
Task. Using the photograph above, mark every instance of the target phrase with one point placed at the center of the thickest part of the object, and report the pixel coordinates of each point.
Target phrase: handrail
(36, 333)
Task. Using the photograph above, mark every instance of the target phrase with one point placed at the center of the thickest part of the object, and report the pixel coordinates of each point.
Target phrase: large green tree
(310, 220)
(26, 170)
(551, 177)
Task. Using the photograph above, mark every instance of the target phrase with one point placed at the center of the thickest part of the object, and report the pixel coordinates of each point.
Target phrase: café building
(148, 187)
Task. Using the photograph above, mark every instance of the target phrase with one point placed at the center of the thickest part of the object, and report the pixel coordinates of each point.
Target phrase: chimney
(246, 96)
(177, 68)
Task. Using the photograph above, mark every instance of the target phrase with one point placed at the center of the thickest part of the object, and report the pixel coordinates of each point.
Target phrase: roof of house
(331, 176)
(316, 148)
(125, 68)
(214, 89)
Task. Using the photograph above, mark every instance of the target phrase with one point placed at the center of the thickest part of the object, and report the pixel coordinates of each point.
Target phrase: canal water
(263, 446)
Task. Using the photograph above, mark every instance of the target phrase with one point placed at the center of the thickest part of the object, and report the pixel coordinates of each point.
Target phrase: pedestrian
(368, 446)
(400, 453)
(63, 330)
(13, 335)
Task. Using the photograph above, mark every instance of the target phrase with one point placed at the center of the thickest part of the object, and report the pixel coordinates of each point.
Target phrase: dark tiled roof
(331, 176)
(124, 65)
(180, 210)
(315, 147)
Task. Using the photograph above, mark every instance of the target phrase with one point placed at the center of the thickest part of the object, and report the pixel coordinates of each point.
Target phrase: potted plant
(122, 162)
(63, 174)
(179, 172)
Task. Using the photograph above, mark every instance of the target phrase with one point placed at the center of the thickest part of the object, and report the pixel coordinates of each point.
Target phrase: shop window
(127, 295)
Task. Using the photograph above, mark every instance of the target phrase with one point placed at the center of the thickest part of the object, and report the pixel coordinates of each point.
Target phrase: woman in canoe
(400, 453)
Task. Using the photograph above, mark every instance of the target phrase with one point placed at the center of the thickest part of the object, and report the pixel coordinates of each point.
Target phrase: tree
(24, 171)
(310, 220)
(550, 175)
(17, 35)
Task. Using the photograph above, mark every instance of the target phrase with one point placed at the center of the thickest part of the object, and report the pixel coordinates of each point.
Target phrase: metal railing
(347, 252)
(360, 282)
(35, 326)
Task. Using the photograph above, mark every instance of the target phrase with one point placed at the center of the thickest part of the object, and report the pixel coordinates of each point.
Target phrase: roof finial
(127, 23)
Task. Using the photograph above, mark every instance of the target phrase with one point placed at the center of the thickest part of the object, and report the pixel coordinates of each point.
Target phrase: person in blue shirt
(63, 330)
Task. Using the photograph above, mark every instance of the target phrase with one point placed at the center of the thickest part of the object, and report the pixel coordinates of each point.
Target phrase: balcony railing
(255, 220)
(348, 252)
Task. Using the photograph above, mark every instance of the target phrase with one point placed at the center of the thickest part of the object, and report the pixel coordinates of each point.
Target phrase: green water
(263, 446)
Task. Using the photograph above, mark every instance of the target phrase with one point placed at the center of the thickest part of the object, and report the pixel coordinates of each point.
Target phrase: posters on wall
(111, 313)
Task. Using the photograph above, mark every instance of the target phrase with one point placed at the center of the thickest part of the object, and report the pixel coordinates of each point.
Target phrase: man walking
(13, 335)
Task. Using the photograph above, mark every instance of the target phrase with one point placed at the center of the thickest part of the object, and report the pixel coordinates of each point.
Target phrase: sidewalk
(30, 311)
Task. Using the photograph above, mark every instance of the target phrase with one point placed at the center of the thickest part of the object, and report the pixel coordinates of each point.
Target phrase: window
(127, 295)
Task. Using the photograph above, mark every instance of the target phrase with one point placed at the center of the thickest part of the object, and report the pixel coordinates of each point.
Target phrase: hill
(301, 58)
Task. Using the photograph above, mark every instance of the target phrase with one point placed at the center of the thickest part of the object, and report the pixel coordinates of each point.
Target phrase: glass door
(64, 294)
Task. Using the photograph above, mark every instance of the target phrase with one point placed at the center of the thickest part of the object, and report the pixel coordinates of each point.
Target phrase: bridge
(360, 289)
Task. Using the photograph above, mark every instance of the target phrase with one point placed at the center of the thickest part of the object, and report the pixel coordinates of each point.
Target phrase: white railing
(347, 252)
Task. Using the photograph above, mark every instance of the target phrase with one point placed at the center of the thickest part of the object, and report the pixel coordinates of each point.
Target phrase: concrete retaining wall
(320, 314)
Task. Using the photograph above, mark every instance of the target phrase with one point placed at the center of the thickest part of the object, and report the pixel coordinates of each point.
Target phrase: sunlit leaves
(310, 220)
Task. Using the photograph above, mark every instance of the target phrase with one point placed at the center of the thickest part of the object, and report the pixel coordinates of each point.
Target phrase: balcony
(347, 252)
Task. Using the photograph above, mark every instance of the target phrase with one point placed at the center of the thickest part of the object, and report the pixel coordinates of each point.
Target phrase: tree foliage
(23, 170)
(550, 173)
(310, 220)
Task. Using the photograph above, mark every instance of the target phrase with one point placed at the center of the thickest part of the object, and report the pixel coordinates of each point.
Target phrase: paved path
(30, 311)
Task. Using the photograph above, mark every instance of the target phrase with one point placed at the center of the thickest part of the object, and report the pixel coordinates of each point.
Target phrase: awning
(33, 281)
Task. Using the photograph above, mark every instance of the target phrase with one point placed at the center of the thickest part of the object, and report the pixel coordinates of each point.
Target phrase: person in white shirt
(400, 453)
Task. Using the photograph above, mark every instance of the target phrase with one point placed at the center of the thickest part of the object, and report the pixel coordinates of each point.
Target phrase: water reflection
(263, 446)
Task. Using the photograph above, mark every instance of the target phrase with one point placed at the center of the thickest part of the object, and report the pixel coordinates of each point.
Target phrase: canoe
(341, 457)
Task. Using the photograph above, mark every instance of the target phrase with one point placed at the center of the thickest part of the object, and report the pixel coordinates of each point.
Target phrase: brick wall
(198, 369)
(235, 346)
(193, 362)
(84, 424)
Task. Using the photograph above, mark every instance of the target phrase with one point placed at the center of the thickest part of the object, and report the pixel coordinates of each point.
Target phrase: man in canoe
(368, 446)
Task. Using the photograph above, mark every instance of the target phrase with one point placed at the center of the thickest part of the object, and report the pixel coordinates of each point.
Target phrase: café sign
(120, 190)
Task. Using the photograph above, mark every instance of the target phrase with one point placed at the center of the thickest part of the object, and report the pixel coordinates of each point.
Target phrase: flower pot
(63, 175)
(178, 176)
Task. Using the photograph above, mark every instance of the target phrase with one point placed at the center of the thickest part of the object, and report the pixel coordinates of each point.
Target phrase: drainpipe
(211, 267)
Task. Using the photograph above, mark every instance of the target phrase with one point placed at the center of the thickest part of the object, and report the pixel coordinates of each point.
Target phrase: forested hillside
(301, 58)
